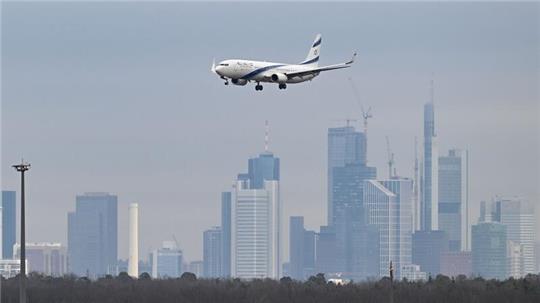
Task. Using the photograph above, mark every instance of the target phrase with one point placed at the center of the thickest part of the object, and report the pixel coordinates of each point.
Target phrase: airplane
(240, 72)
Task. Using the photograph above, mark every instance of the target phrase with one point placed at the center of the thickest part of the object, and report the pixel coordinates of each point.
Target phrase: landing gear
(258, 87)
(226, 80)
(282, 86)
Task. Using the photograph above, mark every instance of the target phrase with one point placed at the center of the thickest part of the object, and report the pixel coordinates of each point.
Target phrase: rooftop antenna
(390, 159)
(432, 90)
(266, 135)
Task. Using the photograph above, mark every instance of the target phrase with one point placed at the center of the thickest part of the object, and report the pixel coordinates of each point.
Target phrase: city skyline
(180, 164)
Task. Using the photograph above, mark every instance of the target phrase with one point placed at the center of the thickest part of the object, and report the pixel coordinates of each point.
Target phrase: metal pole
(22, 275)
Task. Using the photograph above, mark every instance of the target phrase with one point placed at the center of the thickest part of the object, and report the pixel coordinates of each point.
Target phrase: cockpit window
(224, 64)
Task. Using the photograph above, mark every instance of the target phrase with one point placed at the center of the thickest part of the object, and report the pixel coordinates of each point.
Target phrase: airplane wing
(322, 69)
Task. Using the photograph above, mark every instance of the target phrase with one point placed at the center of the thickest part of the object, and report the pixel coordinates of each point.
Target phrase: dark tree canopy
(123, 288)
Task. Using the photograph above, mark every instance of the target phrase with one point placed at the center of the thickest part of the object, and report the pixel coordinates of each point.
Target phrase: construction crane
(365, 114)
(390, 159)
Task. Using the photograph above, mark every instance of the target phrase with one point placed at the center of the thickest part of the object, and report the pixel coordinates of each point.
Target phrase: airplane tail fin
(312, 58)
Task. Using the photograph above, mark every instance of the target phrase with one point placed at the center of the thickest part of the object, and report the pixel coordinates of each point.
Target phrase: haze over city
(119, 98)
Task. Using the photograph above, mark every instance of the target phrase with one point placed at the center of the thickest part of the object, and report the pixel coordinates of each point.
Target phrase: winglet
(352, 59)
(213, 69)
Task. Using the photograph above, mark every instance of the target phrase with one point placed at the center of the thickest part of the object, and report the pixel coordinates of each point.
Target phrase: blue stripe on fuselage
(311, 61)
(260, 70)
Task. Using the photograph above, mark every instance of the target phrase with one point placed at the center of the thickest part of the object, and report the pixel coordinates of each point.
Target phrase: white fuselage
(260, 71)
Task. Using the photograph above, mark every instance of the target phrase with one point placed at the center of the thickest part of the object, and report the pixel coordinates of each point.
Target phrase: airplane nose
(219, 69)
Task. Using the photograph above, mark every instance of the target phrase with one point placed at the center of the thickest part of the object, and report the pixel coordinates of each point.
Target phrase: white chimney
(133, 261)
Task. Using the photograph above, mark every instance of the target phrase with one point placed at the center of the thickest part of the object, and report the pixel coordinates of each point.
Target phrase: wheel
(282, 86)
(226, 83)
(258, 87)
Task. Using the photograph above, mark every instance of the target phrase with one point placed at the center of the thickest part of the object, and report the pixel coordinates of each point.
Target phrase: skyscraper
(296, 247)
(212, 239)
(345, 145)
(226, 209)
(348, 210)
(518, 217)
(93, 235)
(256, 249)
(430, 213)
(389, 207)
(302, 249)
(453, 208)
(256, 246)
(167, 261)
(488, 248)
(264, 167)
(428, 249)
(8, 223)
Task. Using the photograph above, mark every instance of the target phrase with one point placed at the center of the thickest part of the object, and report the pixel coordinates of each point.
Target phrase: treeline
(123, 289)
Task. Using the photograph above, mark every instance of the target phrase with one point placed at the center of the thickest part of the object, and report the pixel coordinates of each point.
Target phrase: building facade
(430, 212)
(453, 203)
(226, 213)
(388, 206)
(212, 239)
(167, 261)
(428, 248)
(345, 145)
(455, 263)
(489, 250)
(301, 250)
(518, 215)
(8, 223)
(93, 235)
(256, 231)
(49, 259)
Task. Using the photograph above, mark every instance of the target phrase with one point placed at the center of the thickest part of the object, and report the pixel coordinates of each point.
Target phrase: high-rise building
(514, 257)
(301, 250)
(455, 263)
(388, 206)
(296, 248)
(348, 211)
(427, 250)
(262, 168)
(453, 203)
(167, 261)
(46, 258)
(8, 223)
(488, 247)
(326, 261)
(92, 235)
(212, 239)
(257, 219)
(226, 213)
(412, 272)
(430, 213)
(518, 215)
(345, 145)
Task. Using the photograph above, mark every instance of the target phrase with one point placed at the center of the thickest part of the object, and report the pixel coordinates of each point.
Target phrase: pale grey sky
(118, 97)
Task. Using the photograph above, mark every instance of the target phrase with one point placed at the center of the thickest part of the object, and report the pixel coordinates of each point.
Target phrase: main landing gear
(258, 86)
(282, 86)
(226, 80)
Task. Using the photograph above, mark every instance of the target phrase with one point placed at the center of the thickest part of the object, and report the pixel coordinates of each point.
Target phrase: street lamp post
(22, 275)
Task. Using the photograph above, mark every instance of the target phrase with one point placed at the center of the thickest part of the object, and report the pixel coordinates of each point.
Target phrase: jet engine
(279, 78)
(240, 82)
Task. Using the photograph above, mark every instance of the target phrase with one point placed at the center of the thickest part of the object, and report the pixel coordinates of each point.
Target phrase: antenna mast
(266, 135)
(390, 159)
